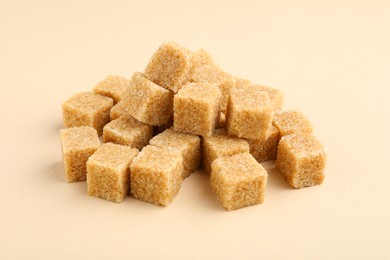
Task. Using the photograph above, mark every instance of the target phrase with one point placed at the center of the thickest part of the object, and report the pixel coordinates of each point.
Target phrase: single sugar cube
(187, 144)
(291, 122)
(122, 108)
(265, 149)
(127, 130)
(238, 181)
(78, 144)
(220, 145)
(108, 173)
(301, 160)
(276, 96)
(169, 66)
(212, 74)
(197, 109)
(156, 175)
(87, 109)
(249, 113)
(150, 103)
(114, 87)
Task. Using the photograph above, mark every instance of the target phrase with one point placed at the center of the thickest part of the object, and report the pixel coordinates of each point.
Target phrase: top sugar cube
(169, 66)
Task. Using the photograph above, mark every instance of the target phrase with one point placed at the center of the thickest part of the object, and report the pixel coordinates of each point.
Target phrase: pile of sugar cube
(182, 113)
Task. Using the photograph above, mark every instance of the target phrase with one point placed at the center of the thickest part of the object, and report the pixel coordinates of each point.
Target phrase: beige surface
(331, 58)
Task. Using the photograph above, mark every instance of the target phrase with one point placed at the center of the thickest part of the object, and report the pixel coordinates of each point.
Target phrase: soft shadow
(52, 131)
(205, 195)
(57, 126)
(52, 127)
(275, 179)
(56, 172)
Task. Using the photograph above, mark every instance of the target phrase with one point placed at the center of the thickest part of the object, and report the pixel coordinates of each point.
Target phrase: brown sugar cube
(150, 103)
(122, 108)
(87, 109)
(249, 113)
(78, 144)
(291, 122)
(156, 175)
(301, 160)
(275, 96)
(265, 149)
(169, 66)
(114, 87)
(108, 173)
(127, 130)
(187, 144)
(212, 74)
(238, 181)
(220, 145)
(197, 109)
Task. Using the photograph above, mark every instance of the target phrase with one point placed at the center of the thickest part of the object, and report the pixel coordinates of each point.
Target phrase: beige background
(331, 58)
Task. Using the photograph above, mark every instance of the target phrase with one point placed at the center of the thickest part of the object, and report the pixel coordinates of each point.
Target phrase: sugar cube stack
(181, 113)
(169, 66)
